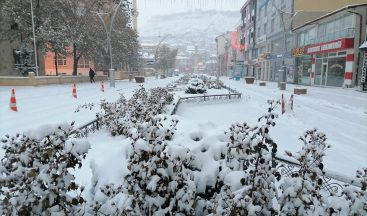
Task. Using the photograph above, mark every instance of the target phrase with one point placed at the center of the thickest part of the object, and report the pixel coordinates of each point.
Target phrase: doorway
(324, 74)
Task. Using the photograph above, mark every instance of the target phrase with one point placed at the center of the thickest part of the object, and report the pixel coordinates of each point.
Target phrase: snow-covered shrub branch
(160, 182)
(301, 192)
(249, 152)
(34, 173)
(119, 116)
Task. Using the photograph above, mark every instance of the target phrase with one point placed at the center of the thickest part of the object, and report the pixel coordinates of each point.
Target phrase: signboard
(299, 51)
(237, 72)
(331, 46)
(364, 71)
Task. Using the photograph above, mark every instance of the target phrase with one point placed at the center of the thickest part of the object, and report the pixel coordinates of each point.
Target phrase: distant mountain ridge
(190, 25)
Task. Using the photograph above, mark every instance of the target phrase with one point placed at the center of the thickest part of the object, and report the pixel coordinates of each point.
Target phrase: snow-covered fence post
(291, 100)
(283, 104)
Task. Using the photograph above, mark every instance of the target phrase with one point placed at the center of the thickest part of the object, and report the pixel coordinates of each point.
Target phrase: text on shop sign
(331, 46)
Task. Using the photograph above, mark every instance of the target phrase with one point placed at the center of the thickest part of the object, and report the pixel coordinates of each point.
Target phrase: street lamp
(111, 71)
(34, 39)
(156, 50)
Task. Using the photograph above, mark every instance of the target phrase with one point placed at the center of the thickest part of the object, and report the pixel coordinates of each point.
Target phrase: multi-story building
(327, 52)
(248, 30)
(273, 38)
(224, 53)
(273, 41)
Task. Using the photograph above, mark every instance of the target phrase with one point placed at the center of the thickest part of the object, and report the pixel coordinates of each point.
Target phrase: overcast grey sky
(149, 8)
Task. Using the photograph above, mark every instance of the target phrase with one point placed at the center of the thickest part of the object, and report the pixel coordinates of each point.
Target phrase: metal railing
(87, 128)
(331, 182)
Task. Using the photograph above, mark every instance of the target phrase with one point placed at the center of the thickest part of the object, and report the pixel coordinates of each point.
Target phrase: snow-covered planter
(211, 82)
(34, 173)
(195, 86)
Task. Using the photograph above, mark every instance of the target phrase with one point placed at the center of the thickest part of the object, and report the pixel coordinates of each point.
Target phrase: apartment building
(247, 38)
(327, 52)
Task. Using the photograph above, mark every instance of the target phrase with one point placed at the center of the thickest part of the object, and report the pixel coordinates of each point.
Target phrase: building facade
(274, 40)
(327, 52)
(247, 38)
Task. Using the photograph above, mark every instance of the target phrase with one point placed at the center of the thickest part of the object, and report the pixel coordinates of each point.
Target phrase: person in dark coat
(91, 75)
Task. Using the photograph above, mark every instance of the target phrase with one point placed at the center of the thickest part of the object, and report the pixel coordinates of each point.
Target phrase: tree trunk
(76, 59)
(57, 72)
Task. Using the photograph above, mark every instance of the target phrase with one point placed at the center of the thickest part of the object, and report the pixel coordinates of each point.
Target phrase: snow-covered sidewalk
(53, 104)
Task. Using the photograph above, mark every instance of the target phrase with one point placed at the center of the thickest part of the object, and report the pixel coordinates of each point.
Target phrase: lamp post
(156, 51)
(111, 71)
(34, 39)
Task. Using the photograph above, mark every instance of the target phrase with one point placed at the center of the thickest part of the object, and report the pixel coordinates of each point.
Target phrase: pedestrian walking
(91, 75)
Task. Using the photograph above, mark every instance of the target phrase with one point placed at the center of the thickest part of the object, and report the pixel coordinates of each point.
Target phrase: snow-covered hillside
(191, 25)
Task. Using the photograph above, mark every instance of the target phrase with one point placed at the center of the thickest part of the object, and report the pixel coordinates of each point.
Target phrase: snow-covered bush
(195, 86)
(353, 200)
(301, 192)
(160, 182)
(211, 82)
(119, 116)
(34, 173)
(249, 151)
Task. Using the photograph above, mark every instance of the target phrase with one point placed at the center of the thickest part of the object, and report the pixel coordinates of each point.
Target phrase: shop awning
(363, 46)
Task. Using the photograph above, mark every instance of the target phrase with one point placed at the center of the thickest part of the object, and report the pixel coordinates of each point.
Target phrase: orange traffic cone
(13, 101)
(74, 91)
(102, 86)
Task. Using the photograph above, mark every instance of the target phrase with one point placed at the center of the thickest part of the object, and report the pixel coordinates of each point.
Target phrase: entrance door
(324, 74)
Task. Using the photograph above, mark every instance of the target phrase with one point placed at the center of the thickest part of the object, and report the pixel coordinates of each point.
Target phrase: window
(61, 60)
(82, 63)
(265, 30)
(14, 26)
(283, 4)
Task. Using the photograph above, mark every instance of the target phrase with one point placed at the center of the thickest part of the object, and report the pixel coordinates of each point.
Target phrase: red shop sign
(331, 46)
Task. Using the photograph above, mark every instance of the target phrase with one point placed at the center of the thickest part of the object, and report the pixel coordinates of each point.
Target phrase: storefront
(326, 64)
(303, 66)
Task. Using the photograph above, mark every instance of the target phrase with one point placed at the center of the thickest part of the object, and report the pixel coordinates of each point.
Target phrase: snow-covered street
(340, 113)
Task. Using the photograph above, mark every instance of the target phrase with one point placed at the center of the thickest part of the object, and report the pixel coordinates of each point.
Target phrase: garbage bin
(282, 85)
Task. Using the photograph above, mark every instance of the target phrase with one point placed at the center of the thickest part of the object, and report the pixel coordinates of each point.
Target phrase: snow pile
(34, 173)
